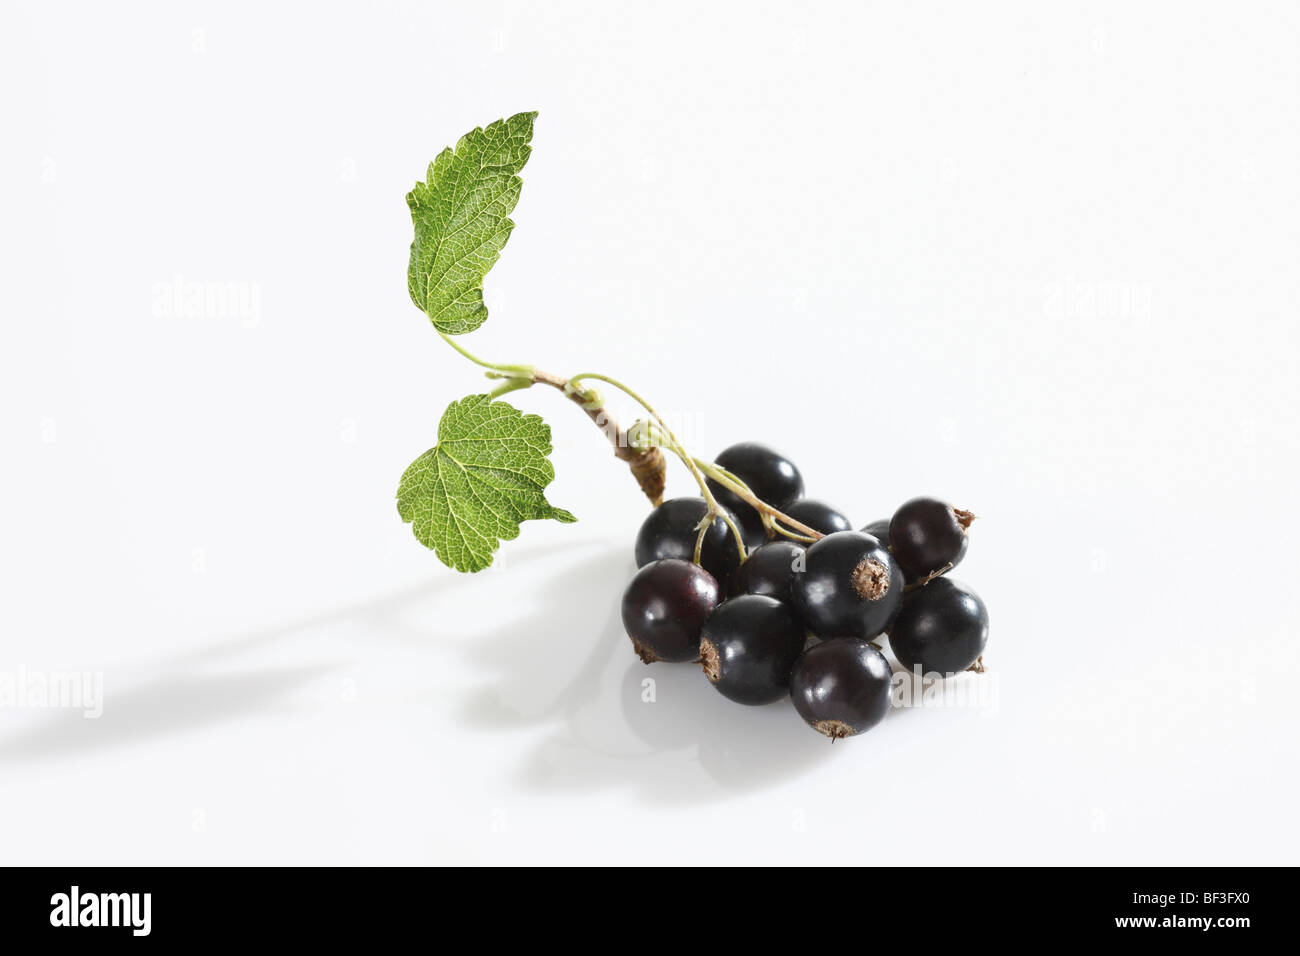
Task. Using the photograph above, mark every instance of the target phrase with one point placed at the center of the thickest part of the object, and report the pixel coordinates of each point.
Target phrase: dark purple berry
(928, 536)
(751, 527)
(942, 628)
(841, 688)
(850, 586)
(665, 607)
(768, 570)
(768, 473)
(879, 530)
(748, 648)
(670, 532)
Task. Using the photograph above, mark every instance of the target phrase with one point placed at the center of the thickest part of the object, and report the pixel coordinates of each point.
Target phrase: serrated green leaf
(488, 472)
(460, 213)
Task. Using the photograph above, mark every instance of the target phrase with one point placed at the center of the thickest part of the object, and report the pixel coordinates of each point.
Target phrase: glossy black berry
(850, 586)
(751, 527)
(670, 531)
(841, 688)
(927, 535)
(769, 570)
(879, 530)
(818, 515)
(941, 629)
(749, 646)
(768, 473)
(665, 607)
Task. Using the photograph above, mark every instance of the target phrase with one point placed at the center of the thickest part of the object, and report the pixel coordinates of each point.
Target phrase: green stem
(511, 371)
(515, 377)
(658, 436)
(743, 492)
(688, 460)
(511, 383)
(673, 444)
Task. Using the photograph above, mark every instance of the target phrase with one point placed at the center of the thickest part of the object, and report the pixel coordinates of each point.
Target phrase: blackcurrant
(927, 536)
(841, 688)
(768, 473)
(941, 629)
(768, 570)
(751, 527)
(665, 607)
(749, 646)
(850, 586)
(670, 532)
(818, 515)
(879, 530)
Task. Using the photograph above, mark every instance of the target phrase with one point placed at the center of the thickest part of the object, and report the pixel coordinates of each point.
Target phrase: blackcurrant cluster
(803, 621)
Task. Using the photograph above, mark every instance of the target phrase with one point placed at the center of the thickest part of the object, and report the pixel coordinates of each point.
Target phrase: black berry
(768, 473)
(748, 648)
(850, 586)
(665, 607)
(927, 536)
(879, 530)
(670, 532)
(769, 570)
(818, 515)
(942, 628)
(841, 688)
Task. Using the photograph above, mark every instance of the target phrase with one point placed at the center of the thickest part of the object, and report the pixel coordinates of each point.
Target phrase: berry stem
(647, 464)
(512, 371)
(940, 572)
(673, 443)
(511, 384)
(732, 483)
(692, 464)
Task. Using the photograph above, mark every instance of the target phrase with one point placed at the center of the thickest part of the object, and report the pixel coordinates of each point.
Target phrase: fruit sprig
(772, 593)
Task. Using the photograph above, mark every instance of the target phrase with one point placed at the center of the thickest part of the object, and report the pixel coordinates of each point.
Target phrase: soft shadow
(385, 617)
(198, 687)
(561, 663)
(205, 686)
(381, 612)
(566, 663)
(158, 708)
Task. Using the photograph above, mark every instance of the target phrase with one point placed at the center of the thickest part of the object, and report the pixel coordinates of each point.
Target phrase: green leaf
(460, 215)
(487, 473)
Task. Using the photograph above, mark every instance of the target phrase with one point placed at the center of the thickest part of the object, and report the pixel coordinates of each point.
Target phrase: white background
(1037, 259)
